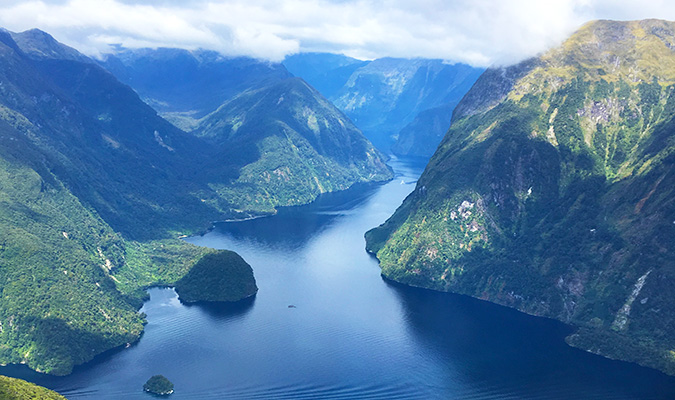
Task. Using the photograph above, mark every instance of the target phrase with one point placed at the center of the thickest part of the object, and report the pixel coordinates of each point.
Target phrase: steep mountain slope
(552, 193)
(327, 73)
(274, 140)
(385, 95)
(59, 306)
(303, 147)
(71, 139)
(96, 133)
(421, 136)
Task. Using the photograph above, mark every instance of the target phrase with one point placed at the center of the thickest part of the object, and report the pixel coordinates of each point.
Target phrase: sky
(477, 32)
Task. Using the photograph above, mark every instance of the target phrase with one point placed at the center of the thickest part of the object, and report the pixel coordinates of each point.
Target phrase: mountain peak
(611, 50)
(601, 50)
(40, 45)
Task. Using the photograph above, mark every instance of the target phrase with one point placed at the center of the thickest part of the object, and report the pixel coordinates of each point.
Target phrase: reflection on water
(223, 311)
(351, 335)
(293, 227)
(508, 354)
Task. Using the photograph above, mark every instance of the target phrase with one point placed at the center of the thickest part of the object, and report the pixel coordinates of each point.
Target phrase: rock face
(390, 99)
(421, 137)
(388, 93)
(219, 276)
(552, 193)
(327, 73)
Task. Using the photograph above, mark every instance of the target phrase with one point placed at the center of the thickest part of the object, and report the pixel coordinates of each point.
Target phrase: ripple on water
(310, 391)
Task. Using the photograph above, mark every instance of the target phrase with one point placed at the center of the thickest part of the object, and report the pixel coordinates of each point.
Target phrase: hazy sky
(478, 32)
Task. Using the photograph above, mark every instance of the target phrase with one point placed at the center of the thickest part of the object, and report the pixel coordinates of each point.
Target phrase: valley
(402, 105)
(202, 215)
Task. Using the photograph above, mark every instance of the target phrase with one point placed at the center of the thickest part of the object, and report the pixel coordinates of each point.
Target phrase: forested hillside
(94, 189)
(552, 193)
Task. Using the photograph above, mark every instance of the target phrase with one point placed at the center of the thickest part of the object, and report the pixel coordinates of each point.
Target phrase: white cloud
(478, 32)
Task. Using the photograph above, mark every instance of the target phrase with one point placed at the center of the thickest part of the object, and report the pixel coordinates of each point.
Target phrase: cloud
(477, 32)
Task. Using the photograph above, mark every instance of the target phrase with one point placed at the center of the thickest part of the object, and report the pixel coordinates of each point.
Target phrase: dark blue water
(351, 334)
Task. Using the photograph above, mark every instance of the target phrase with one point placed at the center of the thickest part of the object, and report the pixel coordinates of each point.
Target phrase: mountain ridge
(252, 166)
(552, 193)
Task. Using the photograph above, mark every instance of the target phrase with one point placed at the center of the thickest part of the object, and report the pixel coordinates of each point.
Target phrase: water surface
(349, 334)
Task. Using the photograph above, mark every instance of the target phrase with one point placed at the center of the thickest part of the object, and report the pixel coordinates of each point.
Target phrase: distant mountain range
(403, 105)
(187, 85)
(552, 193)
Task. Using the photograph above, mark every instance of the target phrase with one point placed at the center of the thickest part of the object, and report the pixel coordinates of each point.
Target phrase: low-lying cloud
(477, 32)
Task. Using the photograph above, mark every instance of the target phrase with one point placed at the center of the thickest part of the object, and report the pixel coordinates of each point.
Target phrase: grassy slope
(556, 197)
(17, 389)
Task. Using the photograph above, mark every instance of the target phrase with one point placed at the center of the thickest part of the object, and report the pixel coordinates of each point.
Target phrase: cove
(350, 334)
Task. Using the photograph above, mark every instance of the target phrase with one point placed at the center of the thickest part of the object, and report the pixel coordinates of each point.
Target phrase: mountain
(303, 147)
(95, 187)
(326, 72)
(385, 95)
(421, 136)
(273, 139)
(552, 193)
(18, 389)
(89, 195)
(184, 86)
(96, 133)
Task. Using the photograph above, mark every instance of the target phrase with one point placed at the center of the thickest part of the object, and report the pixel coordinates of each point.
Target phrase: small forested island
(216, 277)
(158, 384)
(18, 389)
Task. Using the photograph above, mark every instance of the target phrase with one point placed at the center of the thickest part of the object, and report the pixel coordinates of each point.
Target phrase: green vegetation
(565, 166)
(302, 147)
(18, 389)
(94, 189)
(220, 276)
(59, 306)
(159, 385)
(70, 285)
